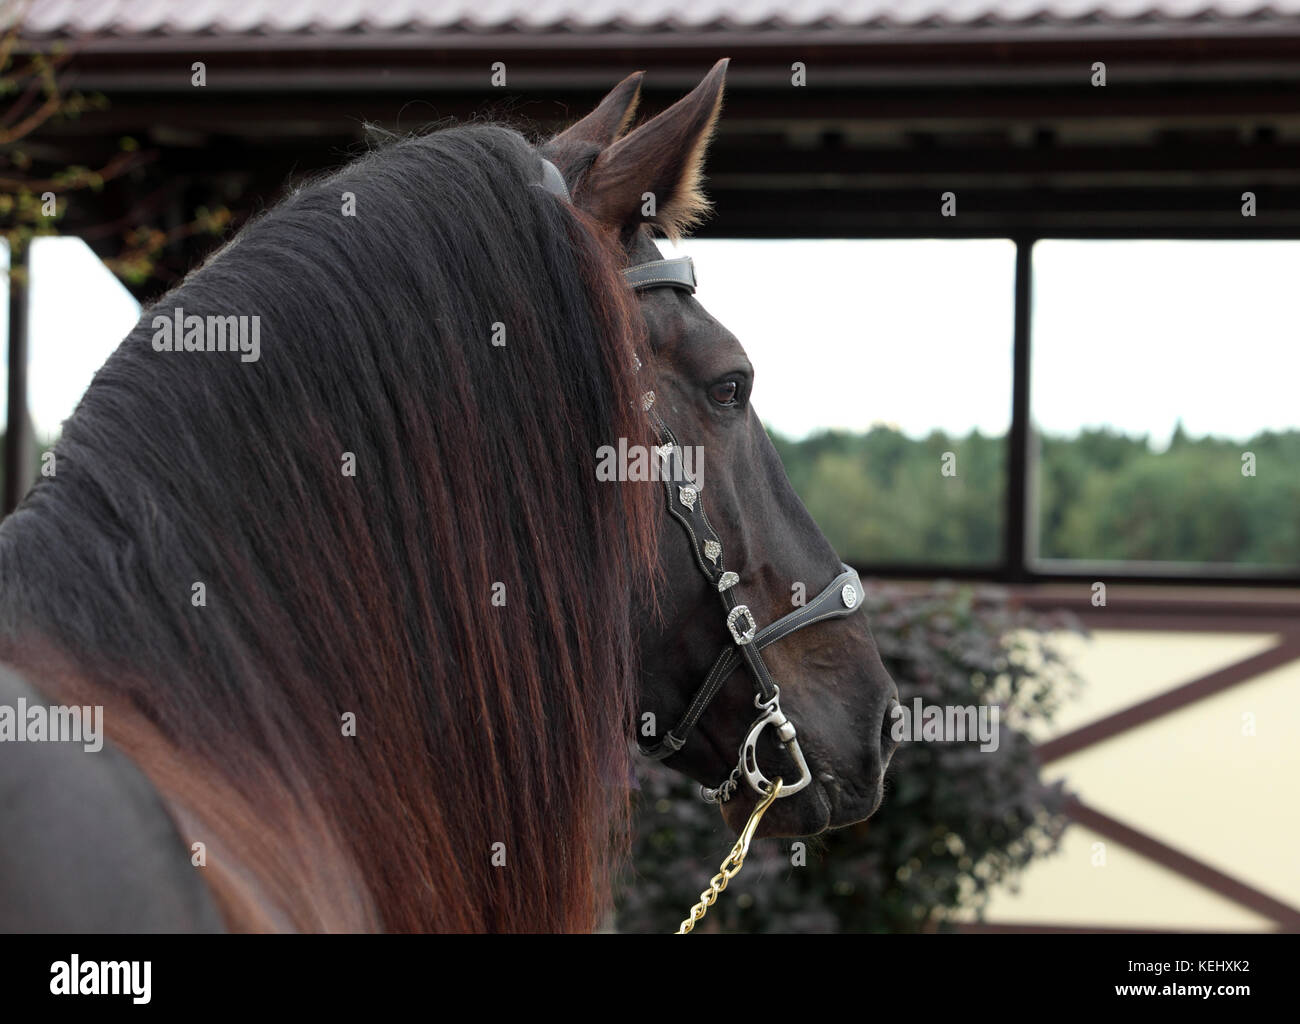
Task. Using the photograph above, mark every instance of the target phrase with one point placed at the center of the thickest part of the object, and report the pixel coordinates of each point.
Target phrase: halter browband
(843, 596)
(678, 273)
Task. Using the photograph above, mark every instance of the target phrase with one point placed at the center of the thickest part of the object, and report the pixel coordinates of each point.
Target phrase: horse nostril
(888, 744)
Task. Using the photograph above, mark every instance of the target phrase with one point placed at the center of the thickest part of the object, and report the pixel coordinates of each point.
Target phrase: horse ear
(663, 157)
(611, 117)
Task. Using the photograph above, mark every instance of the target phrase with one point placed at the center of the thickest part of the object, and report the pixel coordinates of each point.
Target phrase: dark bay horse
(369, 633)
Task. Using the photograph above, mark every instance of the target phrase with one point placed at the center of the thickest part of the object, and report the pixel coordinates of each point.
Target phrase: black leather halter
(841, 597)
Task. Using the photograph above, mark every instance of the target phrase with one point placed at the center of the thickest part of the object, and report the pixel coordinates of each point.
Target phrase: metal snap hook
(785, 732)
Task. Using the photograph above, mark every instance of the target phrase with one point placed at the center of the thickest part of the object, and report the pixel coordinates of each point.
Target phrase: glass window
(79, 314)
(883, 371)
(1163, 390)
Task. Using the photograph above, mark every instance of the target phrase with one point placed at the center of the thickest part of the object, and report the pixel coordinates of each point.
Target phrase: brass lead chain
(732, 865)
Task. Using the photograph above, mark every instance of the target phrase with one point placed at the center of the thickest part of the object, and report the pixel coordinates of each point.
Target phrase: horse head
(753, 663)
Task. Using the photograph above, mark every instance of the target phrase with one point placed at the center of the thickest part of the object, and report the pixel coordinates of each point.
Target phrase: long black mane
(327, 594)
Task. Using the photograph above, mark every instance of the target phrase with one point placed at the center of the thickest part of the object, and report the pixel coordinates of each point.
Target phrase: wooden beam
(1288, 917)
(1169, 701)
(18, 434)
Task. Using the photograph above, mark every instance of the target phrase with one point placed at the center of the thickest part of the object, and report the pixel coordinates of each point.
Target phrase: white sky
(918, 333)
(915, 333)
(78, 314)
(848, 333)
(1138, 334)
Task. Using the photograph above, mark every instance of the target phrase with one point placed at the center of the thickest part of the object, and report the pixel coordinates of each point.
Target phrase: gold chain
(732, 865)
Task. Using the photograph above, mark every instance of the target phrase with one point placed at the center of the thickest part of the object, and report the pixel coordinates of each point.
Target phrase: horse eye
(725, 392)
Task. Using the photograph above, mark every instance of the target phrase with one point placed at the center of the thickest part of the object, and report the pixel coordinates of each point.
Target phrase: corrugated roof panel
(326, 17)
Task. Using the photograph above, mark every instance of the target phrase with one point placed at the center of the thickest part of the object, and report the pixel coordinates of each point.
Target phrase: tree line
(882, 497)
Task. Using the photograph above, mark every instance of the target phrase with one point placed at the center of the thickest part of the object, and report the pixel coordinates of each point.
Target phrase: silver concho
(665, 452)
(727, 580)
(647, 400)
(688, 496)
(712, 549)
(636, 363)
(850, 595)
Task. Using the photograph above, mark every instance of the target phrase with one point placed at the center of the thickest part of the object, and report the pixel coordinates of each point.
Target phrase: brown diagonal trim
(1226, 603)
(1189, 867)
(1169, 700)
(1178, 622)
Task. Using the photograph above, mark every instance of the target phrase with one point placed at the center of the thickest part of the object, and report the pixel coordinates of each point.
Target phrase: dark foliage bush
(954, 822)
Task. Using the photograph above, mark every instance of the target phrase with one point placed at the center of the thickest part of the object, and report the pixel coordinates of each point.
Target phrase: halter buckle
(747, 635)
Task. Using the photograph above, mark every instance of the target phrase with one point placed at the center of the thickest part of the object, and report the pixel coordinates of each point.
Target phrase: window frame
(1018, 564)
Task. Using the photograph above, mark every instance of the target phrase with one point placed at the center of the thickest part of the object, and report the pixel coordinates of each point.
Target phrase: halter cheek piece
(842, 596)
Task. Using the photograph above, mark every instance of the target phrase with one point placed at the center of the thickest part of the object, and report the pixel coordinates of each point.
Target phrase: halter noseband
(842, 596)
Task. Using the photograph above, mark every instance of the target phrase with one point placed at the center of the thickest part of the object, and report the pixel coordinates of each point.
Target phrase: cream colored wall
(1196, 779)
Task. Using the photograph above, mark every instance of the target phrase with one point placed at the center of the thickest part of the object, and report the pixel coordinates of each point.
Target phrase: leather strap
(676, 273)
(553, 181)
(685, 504)
(831, 603)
